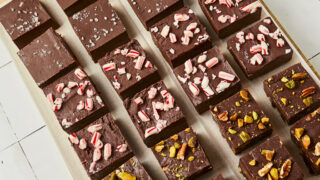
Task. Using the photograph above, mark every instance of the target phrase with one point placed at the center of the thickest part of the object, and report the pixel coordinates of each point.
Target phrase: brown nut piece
(244, 95)
(175, 137)
(285, 169)
(268, 154)
(261, 126)
(240, 123)
(306, 141)
(299, 76)
(308, 91)
(298, 132)
(265, 170)
(234, 117)
(192, 142)
(223, 116)
(182, 151)
(317, 149)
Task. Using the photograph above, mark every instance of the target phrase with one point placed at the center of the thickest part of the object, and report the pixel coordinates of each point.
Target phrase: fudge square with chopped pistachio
(293, 92)
(241, 121)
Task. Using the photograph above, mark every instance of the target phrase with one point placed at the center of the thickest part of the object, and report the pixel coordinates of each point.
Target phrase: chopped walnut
(298, 132)
(317, 149)
(285, 169)
(265, 170)
(244, 95)
(223, 116)
(306, 141)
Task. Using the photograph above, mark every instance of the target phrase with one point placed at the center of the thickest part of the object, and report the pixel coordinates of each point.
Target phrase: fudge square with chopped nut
(180, 36)
(228, 17)
(241, 121)
(305, 133)
(47, 58)
(155, 113)
(72, 6)
(101, 147)
(24, 20)
(207, 79)
(151, 11)
(99, 28)
(74, 100)
(260, 48)
(293, 92)
(129, 69)
(270, 160)
(181, 156)
(132, 169)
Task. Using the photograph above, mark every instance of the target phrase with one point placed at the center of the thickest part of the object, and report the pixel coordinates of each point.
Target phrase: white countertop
(27, 151)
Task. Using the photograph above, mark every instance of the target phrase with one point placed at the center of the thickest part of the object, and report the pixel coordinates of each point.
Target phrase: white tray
(218, 151)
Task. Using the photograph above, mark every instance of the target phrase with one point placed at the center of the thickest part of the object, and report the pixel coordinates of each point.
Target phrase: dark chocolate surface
(47, 58)
(97, 25)
(178, 22)
(121, 68)
(280, 156)
(150, 11)
(305, 133)
(85, 144)
(241, 121)
(70, 100)
(227, 18)
(267, 42)
(130, 169)
(201, 93)
(161, 113)
(293, 92)
(179, 165)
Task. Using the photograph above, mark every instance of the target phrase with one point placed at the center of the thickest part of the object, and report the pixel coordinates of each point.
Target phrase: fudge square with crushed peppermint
(180, 36)
(155, 113)
(99, 28)
(101, 147)
(24, 20)
(74, 100)
(228, 16)
(207, 79)
(129, 69)
(260, 48)
(241, 121)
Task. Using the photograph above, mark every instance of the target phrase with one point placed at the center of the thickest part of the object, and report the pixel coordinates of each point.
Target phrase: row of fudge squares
(102, 148)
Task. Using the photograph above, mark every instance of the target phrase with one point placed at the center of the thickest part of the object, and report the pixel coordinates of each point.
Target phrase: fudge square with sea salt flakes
(229, 16)
(260, 48)
(72, 6)
(101, 147)
(24, 20)
(207, 79)
(180, 36)
(47, 58)
(99, 28)
(74, 100)
(129, 69)
(155, 114)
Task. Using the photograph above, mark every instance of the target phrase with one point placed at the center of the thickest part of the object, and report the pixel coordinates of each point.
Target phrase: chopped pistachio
(234, 117)
(255, 115)
(177, 145)
(290, 84)
(284, 79)
(244, 136)
(261, 126)
(248, 119)
(284, 101)
(274, 173)
(231, 131)
(191, 158)
(158, 148)
(172, 151)
(265, 120)
(252, 162)
(318, 162)
(175, 137)
(126, 176)
(244, 95)
(238, 104)
(307, 101)
(163, 154)
(187, 130)
(298, 132)
(240, 123)
(192, 142)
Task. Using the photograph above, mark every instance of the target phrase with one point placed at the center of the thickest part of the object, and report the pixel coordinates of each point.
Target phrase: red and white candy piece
(90, 92)
(122, 148)
(59, 87)
(155, 112)
(121, 70)
(249, 36)
(109, 66)
(82, 144)
(229, 3)
(89, 104)
(50, 99)
(133, 53)
(261, 37)
(143, 116)
(226, 76)
(223, 85)
(192, 26)
(164, 93)
(188, 68)
(185, 40)
(194, 89)
(209, 1)
(264, 48)
(280, 42)
(170, 101)
(96, 154)
(72, 84)
(264, 30)
(212, 62)
(150, 131)
(223, 18)
(94, 128)
(240, 37)
(173, 38)
(148, 64)
(95, 138)
(152, 93)
(80, 74)
(139, 62)
(257, 58)
(56, 107)
(208, 91)
(188, 34)
(80, 105)
(181, 17)
(73, 138)
(255, 49)
(165, 31)
(205, 82)
(138, 101)
(202, 58)
(267, 21)
(251, 8)
(107, 152)
(92, 166)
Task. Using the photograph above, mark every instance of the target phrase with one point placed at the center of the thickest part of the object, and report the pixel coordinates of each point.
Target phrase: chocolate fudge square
(101, 147)
(207, 79)
(74, 100)
(155, 114)
(151, 11)
(72, 6)
(305, 133)
(228, 17)
(270, 160)
(181, 156)
(180, 36)
(47, 58)
(241, 121)
(293, 92)
(129, 69)
(132, 169)
(260, 48)
(99, 28)
(24, 20)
